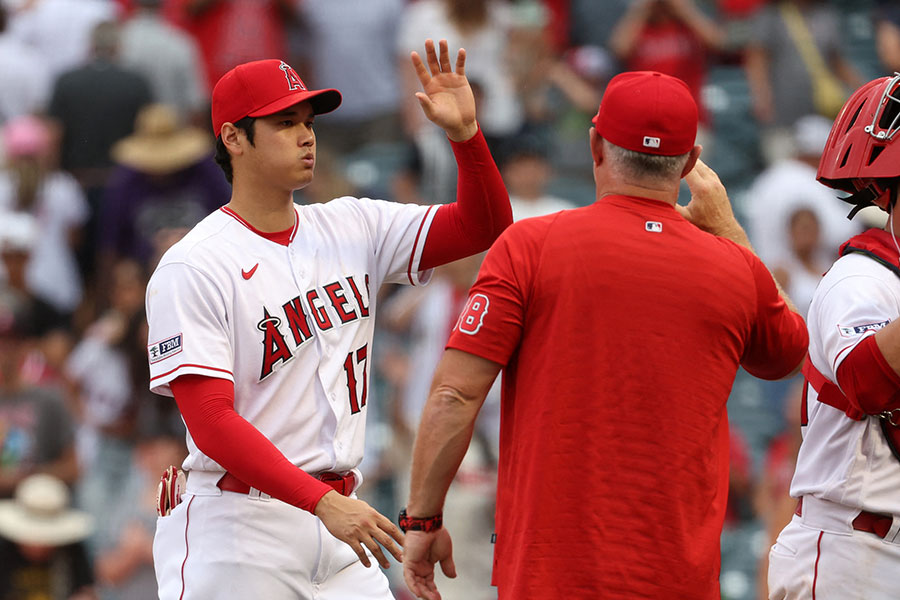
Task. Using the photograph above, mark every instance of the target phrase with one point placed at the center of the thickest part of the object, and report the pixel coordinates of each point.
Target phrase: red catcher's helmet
(862, 152)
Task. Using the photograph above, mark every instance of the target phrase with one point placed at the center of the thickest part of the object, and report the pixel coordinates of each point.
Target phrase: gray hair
(638, 165)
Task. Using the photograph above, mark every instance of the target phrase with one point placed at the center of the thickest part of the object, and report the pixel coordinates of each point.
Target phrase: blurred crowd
(106, 160)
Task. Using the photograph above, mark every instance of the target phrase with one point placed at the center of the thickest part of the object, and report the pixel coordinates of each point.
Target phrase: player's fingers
(421, 69)
(385, 540)
(445, 56)
(461, 62)
(375, 549)
(391, 529)
(431, 57)
(361, 553)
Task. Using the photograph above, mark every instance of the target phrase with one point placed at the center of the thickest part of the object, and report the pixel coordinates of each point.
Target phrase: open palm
(447, 99)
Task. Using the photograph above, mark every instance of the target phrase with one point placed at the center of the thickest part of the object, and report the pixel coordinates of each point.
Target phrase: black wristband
(426, 524)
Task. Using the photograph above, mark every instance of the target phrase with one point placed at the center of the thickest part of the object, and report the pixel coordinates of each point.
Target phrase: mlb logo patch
(651, 142)
(653, 226)
(861, 329)
(164, 349)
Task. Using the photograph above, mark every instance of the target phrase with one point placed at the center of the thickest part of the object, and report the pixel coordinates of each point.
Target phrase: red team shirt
(621, 327)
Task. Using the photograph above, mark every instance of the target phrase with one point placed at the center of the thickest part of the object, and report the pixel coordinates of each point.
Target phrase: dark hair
(223, 159)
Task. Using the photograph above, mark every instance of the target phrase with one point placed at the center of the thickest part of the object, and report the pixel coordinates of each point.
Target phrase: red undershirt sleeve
(207, 405)
(481, 211)
(867, 379)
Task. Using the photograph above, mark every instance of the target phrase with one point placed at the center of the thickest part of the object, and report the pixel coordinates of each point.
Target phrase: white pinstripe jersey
(290, 325)
(842, 460)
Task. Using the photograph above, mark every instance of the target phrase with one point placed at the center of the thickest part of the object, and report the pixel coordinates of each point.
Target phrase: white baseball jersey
(845, 461)
(291, 325)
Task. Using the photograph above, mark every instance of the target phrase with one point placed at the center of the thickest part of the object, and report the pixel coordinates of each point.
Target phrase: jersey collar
(283, 238)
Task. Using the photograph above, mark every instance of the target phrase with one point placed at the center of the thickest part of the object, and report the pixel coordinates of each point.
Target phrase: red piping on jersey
(192, 365)
(816, 568)
(187, 521)
(283, 237)
(416, 245)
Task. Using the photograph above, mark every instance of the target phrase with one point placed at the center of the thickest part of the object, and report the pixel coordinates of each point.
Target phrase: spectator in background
(886, 17)
(31, 184)
(24, 81)
(107, 406)
(547, 84)
(772, 500)
(801, 270)
(526, 171)
(61, 30)
(94, 106)
(41, 554)
(168, 59)
(483, 28)
(231, 32)
(349, 46)
(790, 183)
(673, 37)
(164, 182)
(795, 45)
(124, 564)
(36, 431)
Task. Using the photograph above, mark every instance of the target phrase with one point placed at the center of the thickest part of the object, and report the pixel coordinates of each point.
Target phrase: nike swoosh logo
(249, 274)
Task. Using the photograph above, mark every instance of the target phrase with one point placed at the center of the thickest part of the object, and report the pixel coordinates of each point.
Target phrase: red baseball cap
(648, 112)
(264, 87)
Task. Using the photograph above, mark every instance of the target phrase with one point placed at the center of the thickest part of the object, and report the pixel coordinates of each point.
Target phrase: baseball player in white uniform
(261, 325)
(844, 540)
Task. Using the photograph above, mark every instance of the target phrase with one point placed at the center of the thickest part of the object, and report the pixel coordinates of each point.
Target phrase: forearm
(230, 440)
(481, 211)
(756, 67)
(441, 443)
(625, 34)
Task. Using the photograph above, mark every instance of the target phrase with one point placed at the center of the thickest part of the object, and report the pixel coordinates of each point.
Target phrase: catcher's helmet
(862, 154)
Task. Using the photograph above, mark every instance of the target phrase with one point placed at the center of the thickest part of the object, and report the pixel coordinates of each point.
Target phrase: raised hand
(709, 208)
(447, 99)
(422, 551)
(357, 524)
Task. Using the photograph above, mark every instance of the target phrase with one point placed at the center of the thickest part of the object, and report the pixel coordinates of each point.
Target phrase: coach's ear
(596, 147)
(692, 160)
(233, 138)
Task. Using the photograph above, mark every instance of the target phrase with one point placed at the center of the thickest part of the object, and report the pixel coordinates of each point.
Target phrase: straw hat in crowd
(159, 144)
(39, 515)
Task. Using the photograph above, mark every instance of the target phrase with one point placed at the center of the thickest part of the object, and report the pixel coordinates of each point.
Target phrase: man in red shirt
(620, 327)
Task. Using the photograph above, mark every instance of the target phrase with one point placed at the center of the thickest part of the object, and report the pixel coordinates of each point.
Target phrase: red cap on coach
(648, 112)
(264, 87)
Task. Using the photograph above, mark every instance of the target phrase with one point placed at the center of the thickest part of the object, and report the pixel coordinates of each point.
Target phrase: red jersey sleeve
(481, 211)
(779, 339)
(490, 325)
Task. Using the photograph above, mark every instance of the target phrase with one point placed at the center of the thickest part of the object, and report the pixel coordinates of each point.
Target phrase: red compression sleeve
(868, 381)
(481, 211)
(207, 405)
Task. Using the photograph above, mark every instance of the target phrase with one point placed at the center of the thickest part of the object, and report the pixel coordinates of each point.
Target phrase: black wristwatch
(426, 524)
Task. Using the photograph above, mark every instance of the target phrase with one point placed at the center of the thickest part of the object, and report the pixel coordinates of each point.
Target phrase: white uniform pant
(223, 545)
(820, 553)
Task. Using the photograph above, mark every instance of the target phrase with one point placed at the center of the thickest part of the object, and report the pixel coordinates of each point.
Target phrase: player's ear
(232, 138)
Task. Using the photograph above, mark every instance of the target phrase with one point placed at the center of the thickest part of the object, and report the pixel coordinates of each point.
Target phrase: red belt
(342, 484)
(865, 521)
